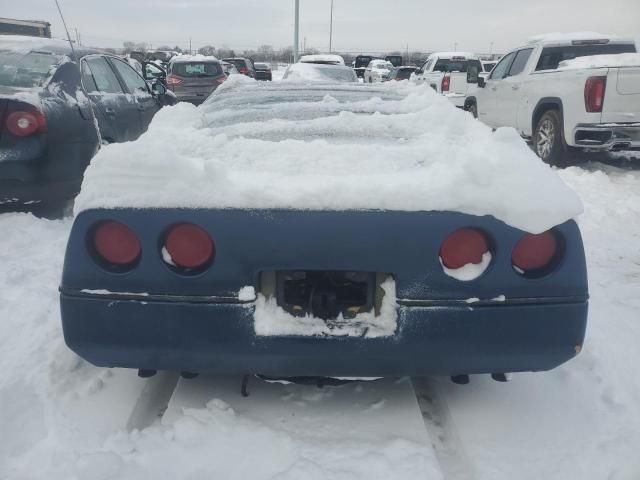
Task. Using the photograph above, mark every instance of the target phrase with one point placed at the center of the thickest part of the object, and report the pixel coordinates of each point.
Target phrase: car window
(87, 78)
(132, 80)
(522, 57)
(105, 80)
(196, 69)
(500, 70)
(455, 65)
(551, 57)
(153, 71)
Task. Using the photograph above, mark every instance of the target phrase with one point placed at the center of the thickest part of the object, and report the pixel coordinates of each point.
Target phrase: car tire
(548, 140)
(472, 108)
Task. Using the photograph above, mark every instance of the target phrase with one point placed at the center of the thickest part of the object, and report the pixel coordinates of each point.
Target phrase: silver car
(194, 77)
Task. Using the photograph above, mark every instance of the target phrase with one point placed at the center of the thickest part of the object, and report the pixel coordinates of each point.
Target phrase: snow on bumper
(432, 338)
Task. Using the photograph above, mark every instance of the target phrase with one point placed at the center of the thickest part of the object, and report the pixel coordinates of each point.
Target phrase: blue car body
(152, 317)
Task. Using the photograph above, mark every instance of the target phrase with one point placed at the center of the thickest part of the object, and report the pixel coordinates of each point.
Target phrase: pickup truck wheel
(548, 141)
(472, 108)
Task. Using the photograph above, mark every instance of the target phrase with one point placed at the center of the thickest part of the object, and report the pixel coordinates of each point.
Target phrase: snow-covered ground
(64, 419)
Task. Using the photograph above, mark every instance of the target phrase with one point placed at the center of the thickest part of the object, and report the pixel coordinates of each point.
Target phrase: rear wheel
(472, 108)
(548, 140)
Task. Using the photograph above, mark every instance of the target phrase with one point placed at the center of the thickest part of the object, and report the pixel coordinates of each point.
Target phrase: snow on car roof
(445, 55)
(600, 61)
(322, 58)
(568, 37)
(319, 72)
(193, 58)
(331, 146)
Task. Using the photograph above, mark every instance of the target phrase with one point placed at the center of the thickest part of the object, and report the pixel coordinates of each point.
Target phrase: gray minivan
(193, 78)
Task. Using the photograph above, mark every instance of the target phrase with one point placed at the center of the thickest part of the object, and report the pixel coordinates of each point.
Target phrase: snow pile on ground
(330, 146)
(271, 319)
(600, 61)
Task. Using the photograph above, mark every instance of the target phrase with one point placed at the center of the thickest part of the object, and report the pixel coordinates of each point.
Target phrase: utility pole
(296, 33)
(190, 52)
(455, 47)
(331, 28)
(491, 49)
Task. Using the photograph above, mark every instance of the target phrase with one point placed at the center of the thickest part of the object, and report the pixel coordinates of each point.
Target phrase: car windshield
(27, 70)
(196, 69)
(383, 66)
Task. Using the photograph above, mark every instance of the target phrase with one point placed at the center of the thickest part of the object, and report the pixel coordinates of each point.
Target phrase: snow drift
(329, 147)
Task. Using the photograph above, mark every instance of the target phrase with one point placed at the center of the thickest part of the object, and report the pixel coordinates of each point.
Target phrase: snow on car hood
(329, 147)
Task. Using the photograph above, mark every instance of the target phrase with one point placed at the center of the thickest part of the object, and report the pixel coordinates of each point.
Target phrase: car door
(137, 86)
(489, 101)
(512, 91)
(117, 112)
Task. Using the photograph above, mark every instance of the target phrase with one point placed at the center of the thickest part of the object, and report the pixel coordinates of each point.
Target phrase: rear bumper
(217, 336)
(607, 136)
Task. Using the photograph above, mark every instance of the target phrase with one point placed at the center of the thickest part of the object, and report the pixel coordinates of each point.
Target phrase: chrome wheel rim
(546, 138)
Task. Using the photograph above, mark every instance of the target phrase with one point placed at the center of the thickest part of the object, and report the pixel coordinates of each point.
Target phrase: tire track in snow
(453, 459)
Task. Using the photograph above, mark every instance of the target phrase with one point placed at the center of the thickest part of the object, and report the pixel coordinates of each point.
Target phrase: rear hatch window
(551, 57)
(27, 69)
(455, 64)
(196, 69)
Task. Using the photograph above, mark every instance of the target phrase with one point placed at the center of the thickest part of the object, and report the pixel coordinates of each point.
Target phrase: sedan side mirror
(472, 74)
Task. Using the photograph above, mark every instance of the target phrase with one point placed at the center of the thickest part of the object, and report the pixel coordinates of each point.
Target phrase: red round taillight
(188, 246)
(116, 244)
(23, 124)
(534, 252)
(463, 247)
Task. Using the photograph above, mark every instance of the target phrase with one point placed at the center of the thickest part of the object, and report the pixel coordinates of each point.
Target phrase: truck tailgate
(622, 96)
(459, 83)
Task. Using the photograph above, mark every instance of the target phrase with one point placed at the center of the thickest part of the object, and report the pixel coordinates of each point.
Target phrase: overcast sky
(359, 25)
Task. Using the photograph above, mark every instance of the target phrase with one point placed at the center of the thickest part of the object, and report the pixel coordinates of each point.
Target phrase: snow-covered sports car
(324, 230)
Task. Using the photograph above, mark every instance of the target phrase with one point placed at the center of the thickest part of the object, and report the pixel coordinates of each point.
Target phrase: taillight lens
(221, 80)
(171, 80)
(535, 253)
(188, 246)
(463, 247)
(594, 89)
(25, 123)
(244, 70)
(116, 244)
(446, 82)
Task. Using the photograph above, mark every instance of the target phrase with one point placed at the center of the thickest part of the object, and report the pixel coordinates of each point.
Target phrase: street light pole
(296, 32)
(331, 28)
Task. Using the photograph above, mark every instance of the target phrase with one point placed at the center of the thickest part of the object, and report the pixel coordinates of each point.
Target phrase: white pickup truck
(446, 73)
(565, 93)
